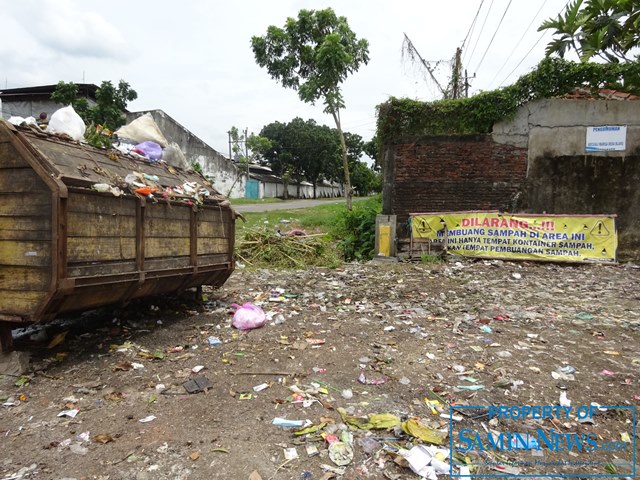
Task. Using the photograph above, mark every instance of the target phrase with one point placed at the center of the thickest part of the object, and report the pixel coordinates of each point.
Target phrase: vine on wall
(400, 117)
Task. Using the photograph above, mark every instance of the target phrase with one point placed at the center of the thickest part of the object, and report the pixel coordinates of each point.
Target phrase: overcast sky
(193, 59)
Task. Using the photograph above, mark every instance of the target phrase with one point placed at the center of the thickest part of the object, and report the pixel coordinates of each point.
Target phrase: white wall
(224, 175)
(272, 190)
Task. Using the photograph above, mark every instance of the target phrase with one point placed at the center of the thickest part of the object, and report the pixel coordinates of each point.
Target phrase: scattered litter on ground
(197, 385)
(329, 390)
(248, 316)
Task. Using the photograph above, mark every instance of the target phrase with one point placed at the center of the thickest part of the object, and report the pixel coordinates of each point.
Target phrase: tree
(69, 94)
(278, 156)
(246, 148)
(299, 138)
(314, 55)
(111, 102)
(355, 146)
(372, 149)
(365, 180)
(321, 159)
(257, 144)
(237, 143)
(301, 149)
(608, 29)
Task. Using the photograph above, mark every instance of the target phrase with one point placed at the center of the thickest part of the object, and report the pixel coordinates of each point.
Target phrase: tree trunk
(345, 161)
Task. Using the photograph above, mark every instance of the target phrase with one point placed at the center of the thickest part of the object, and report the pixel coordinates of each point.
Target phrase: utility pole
(456, 74)
(466, 83)
(456, 85)
(246, 150)
(230, 157)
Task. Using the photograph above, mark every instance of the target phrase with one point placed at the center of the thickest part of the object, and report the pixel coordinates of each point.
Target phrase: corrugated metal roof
(84, 89)
(266, 178)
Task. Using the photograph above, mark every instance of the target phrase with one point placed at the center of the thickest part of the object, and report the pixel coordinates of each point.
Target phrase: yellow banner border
(510, 257)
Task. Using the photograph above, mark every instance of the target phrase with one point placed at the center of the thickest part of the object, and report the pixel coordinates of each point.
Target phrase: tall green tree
(277, 154)
(321, 159)
(301, 150)
(69, 94)
(314, 54)
(257, 144)
(355, 146)
(246, 148)
(372, 149)
(111, 102)
(299, 137)
(364, 179)
(607, 29)
(236, 144)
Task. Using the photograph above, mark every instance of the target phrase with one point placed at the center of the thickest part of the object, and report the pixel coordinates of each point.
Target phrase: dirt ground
(464, 333)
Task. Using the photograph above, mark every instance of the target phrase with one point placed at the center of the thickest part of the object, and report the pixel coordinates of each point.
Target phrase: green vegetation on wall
(552, 77)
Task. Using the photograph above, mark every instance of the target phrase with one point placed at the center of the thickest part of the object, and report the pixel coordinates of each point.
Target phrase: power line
(471, 27)
(370, 122)
(523, 58)
(481, 30)
(518, 44)
(494, 35)
(361, 121)
(530, 50)
(364, 119)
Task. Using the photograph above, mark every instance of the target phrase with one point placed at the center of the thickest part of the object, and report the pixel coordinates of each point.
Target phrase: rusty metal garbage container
(66, 247)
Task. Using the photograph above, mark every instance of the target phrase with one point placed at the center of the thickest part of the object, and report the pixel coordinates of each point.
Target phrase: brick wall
(451, 173)
(535, 162)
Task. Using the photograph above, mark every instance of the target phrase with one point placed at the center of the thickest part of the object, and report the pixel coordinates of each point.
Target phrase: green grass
(254, 201)
(257, 245)
(430, 258)
(312, 220)
(334, 235)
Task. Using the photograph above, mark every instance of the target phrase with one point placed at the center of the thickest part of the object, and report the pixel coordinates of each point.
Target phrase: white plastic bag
(20, 121)
(248, 316)
(142, 129)
(173, 156)
(66, 120)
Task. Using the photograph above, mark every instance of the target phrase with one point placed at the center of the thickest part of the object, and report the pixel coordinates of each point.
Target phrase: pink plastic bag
(248, 316)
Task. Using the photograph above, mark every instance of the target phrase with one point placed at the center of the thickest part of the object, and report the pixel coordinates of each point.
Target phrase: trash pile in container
(141, 140)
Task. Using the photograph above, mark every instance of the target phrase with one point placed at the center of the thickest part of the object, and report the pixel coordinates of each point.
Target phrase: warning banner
(574, 238)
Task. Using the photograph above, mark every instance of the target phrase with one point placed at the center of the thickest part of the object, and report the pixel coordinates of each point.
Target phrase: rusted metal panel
(25, 234)
(90, 249)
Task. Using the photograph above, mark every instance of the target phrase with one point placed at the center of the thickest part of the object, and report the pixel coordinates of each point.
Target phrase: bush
(356, 229)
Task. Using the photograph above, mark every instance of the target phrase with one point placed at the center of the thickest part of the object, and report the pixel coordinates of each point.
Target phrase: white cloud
(193, 59)
(70, 28)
